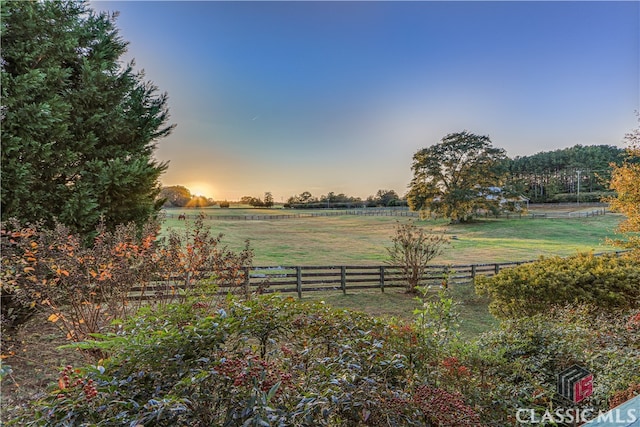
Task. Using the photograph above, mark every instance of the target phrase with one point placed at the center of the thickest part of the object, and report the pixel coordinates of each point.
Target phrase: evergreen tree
(79, 127)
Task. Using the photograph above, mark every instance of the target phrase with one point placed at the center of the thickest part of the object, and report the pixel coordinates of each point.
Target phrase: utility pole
(578, 194)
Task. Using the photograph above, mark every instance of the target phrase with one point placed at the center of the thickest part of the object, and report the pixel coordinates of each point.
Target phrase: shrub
(606, 281)
(412, 249)
(193, 260)
(81, 288)
(276, 361)
(521, 360)
(85, 288)
(267, 361)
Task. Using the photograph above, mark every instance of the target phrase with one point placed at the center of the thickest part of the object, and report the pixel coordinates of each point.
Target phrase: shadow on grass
(474, 312)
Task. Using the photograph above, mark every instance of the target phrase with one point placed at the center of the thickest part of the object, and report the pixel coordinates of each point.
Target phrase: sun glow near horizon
(199, 188)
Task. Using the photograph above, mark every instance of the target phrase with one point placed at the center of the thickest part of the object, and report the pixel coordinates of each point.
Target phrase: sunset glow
(201, 189)
(298, 96)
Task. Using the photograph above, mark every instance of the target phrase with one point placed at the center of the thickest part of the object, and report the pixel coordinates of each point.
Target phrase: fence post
(473, 272)
(247, 282)
(299, 281)
(382, 278)
(343, 279)
(497, 268)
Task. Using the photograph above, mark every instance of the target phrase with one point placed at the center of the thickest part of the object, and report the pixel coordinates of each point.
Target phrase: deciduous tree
(458, 176)
(79, 127)
(176, 195)
(625, 180)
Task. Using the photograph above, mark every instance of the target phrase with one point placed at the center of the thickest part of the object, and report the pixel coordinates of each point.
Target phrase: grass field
(362, 240)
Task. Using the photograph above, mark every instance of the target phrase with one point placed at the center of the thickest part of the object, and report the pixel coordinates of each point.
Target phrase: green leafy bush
(266, 361)
(606, 281)
(275, 361)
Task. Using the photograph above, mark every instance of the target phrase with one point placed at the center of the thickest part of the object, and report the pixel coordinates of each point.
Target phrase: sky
(288, 97)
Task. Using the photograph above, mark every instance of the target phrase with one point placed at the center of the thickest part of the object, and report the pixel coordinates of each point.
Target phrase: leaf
(273, 390)
(61, 384)
(53, 318)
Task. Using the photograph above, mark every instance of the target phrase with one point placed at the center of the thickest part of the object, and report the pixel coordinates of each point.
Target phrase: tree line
(180, 196)
(559, 175)
(578, 173)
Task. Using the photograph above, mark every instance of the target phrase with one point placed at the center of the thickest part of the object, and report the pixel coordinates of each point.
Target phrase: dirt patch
(33, 354)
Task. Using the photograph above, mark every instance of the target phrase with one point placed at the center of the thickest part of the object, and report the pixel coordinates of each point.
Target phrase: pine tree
(79, 127)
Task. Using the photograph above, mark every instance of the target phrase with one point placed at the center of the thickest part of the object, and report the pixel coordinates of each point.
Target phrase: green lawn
(360, 240)
(394, 303)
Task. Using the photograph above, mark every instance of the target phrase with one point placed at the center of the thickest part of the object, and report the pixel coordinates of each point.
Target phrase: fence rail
(304, 279)
(382, 212)
(332, 278)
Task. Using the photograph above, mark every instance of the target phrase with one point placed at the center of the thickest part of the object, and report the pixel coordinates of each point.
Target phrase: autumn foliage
(624, 180)
(86, 288)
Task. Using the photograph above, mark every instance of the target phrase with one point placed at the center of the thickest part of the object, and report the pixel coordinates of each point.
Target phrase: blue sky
(290, 97)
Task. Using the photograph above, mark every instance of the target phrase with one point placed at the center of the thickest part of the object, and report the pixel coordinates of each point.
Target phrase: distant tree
(251, 201)
(625, 180)
(246, 200)
(384, 198)
(341, 200)
(306, 197)
(79, 129)
(224, 204)
(560, 172)
(175, 196)
(268, 199)
(456, 177)
(200, 202)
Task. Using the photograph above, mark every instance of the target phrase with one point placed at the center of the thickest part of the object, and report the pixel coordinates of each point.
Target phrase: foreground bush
(275, 361)
(607, 282)
(268, 361)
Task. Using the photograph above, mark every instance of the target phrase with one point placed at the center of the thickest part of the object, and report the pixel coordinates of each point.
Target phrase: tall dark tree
(79, 127)
(461, 174)
(268, 199)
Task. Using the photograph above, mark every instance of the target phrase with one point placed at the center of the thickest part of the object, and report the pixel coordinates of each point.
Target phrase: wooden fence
(341, 278)
(300, 279)
(328, 213)
(304, 279)
(383, 212)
